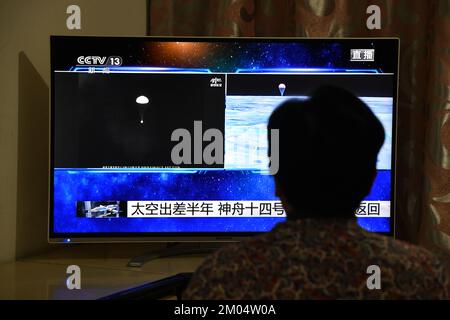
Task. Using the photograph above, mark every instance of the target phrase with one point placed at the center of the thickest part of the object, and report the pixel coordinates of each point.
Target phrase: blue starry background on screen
(245, 122)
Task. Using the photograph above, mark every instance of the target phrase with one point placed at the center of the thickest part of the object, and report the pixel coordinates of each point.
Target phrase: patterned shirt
(320, 259)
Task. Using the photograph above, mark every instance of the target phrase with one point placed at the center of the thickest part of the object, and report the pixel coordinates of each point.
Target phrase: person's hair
(328, 149)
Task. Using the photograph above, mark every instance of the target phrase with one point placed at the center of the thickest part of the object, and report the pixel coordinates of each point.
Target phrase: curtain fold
(434, 230)
(423, 145)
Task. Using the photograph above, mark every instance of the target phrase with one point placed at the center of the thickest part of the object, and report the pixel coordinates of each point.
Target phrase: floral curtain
(423, 152)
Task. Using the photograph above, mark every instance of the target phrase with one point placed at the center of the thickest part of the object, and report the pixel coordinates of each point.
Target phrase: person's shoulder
(414, 264)
(239, 253)
(396, 250)
(418, 256)
(225, 270)
(399, 248)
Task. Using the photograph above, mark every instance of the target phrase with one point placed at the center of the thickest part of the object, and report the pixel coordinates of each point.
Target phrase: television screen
(164, 138)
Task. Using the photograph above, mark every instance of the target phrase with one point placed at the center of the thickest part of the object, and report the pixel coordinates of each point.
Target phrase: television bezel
(142, 237)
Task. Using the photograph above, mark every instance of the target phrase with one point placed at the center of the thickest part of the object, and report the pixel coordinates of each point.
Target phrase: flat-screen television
(134, 155)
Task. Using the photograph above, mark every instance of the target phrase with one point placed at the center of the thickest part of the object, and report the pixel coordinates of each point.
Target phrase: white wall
(25, 27)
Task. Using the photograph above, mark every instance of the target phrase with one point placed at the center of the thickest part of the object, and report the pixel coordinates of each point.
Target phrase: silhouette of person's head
(328, 151)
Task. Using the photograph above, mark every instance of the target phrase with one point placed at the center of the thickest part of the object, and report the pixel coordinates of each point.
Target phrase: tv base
(172, 250)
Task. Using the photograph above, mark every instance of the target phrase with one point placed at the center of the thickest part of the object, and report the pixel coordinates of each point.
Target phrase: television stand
(172, 249)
